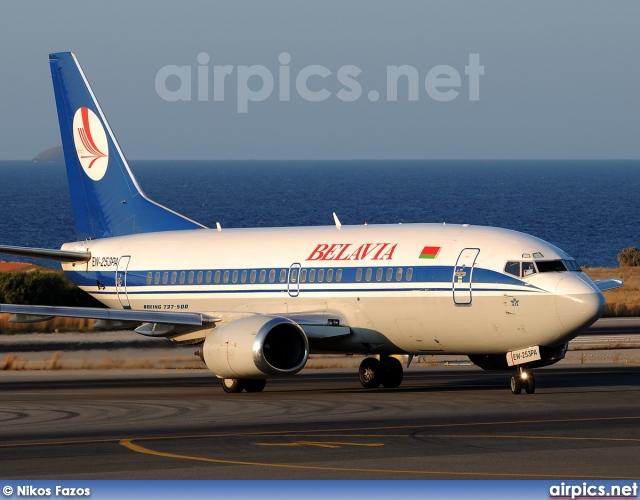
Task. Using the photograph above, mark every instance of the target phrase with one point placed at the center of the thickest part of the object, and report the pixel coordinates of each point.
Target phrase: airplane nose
(578, 302)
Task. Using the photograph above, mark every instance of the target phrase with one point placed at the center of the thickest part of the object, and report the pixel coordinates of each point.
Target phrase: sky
(347, 79)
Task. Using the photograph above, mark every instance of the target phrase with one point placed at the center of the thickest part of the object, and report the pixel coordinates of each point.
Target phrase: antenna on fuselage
(337, 221)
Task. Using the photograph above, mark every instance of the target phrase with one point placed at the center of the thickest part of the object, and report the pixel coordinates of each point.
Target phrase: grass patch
(621, 302)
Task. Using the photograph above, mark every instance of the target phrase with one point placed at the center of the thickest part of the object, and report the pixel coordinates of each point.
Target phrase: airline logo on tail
(91, 143)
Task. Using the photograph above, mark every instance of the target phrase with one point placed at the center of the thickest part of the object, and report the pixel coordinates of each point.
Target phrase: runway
(444, 422)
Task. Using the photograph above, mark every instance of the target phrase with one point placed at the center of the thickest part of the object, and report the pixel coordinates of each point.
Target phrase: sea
(590, 209)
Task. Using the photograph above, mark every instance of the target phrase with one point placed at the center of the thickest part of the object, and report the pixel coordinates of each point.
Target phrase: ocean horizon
(586, 207)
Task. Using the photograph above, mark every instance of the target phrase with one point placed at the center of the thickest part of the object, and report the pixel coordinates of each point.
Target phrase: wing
(609, 284)
(316, 325)
(28, 313)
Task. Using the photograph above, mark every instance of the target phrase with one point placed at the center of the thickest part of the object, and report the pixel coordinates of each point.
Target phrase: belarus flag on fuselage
(429, 252)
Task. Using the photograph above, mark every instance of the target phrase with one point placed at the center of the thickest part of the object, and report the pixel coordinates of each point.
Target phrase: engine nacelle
(256, 347)
(548, 355)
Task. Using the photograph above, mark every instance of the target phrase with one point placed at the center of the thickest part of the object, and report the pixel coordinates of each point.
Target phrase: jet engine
(256, 347)
(549, 355)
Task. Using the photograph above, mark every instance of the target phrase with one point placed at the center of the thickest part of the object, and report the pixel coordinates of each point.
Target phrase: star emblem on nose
(515, 302)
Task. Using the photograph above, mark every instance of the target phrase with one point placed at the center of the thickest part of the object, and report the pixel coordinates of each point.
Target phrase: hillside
(51, 154)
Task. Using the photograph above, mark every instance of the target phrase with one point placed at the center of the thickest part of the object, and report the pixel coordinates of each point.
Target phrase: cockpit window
(550, 266)
(512, 268)
(520, 269)
(572, 265)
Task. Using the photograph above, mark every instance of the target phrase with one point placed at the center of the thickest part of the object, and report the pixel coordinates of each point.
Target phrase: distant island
(51, 154)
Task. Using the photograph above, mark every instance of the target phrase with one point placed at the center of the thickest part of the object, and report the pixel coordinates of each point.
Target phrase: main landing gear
(235, 385)
(523, 379)
(386, 371)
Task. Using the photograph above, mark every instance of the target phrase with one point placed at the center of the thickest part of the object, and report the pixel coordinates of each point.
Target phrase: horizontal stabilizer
(195, 319)
(46, 254)
(610, 284)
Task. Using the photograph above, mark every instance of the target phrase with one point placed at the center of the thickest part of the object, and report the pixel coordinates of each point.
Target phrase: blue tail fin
(105, 196)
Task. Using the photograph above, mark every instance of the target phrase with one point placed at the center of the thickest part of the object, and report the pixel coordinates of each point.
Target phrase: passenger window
(272, 276)
(312, 275)
(320, 275)
(359, 275)
(149, 277)
(399, 274)
(339, 275)
(182, 275)
(191, 275)
(234, 277)
(199, 278)
(389, 274)
(165, 277)
(379, 274)
(243, 276)
(216, 277)
(409, 273)
(512, 268)
(367, 275)
(225, 277)
(207, 277)
(528, 268)
(329, 275)
(294, 276)
(156, 278)
(174, 277)
(283, 275)
(263, 275)
(252, 276)
(303, 276)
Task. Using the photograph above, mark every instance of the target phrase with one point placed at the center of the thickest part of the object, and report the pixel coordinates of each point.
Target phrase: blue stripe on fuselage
(421, 277)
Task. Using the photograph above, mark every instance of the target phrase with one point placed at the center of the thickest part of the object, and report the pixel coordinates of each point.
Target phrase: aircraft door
(121, 281)
(463, 276)
(293, 283)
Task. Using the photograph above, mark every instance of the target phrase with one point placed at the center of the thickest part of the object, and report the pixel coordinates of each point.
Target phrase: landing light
(524, 375)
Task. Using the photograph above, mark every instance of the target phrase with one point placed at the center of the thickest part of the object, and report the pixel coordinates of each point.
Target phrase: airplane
(259, 301)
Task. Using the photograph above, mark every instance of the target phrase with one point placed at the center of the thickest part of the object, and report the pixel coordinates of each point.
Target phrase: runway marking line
(321, 431)
(128, 443)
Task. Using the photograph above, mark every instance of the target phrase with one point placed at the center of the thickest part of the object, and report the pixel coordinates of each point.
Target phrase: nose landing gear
(523, 379)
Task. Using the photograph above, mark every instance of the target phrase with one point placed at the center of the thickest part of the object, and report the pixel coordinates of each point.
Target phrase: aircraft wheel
(391, 373)
(516, 383)
(232, 385)
(369, 373)
(255, 385)
(530, 384)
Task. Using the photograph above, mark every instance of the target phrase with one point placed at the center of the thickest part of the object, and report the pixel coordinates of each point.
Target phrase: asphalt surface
(443, 422)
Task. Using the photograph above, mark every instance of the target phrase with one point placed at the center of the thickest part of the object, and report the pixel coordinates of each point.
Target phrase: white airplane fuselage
(371, 277)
